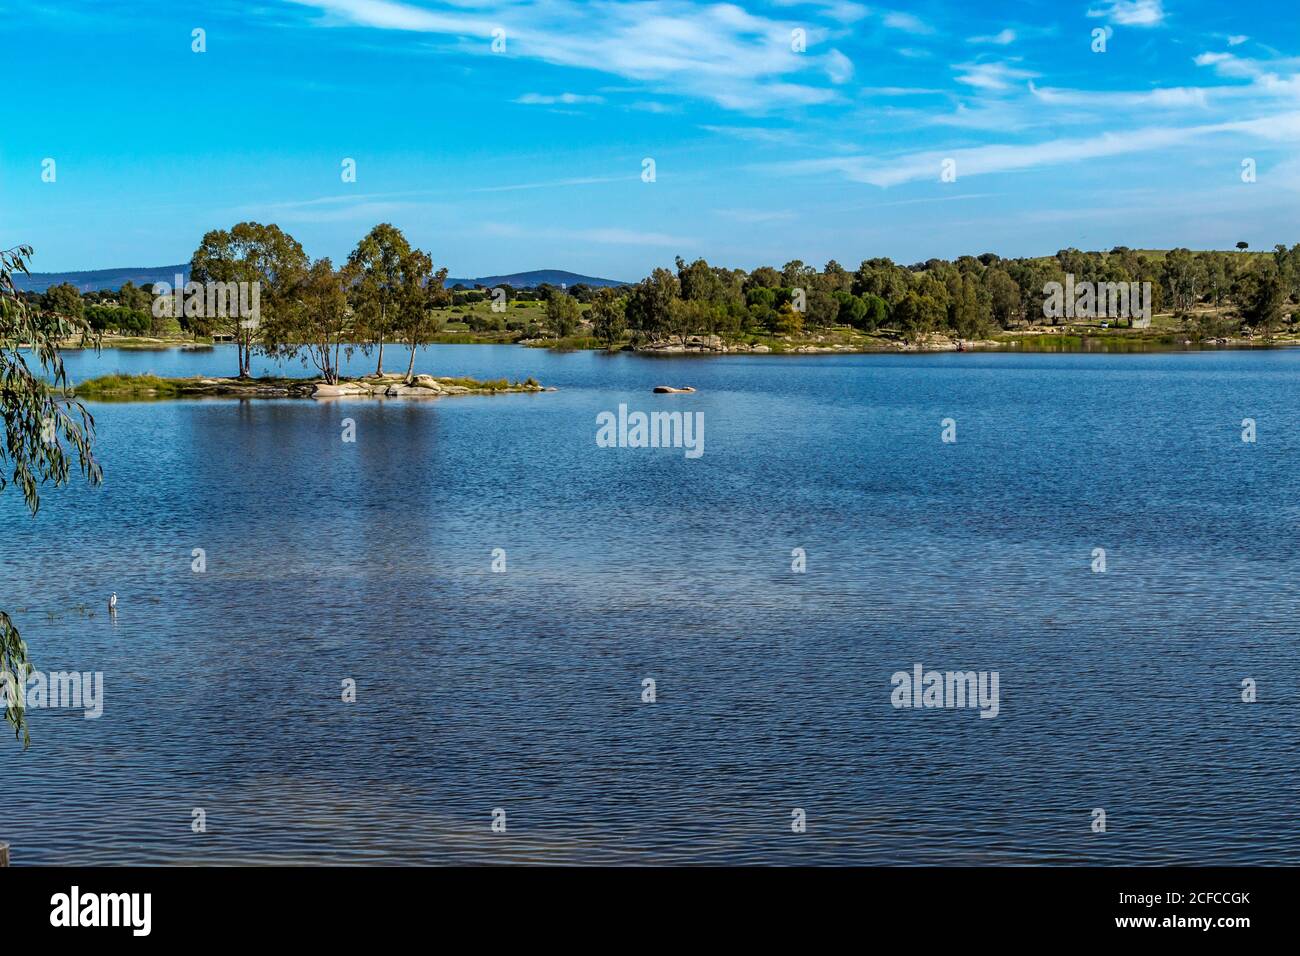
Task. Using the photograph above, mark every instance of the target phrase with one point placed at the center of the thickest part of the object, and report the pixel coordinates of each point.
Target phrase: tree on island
(319, 322)
(249, 253)
(419, 290)
(377, 262)
(38, 420)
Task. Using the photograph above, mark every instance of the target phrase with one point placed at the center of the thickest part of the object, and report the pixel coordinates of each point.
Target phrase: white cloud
(567, 99)
(1002, 38)
(1237, 40)
(550, 184)
(991, 76)
(907, 23)
(756, 216)
(653, 106)
(761, 134)
(996, 158)
(845, 11)
(1164, 98)
(839, 67)
(598, 236)
(1132, 13)
(1236, 67)
(715, 51)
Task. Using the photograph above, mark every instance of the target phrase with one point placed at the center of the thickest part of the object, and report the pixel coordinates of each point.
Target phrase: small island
(390, 385)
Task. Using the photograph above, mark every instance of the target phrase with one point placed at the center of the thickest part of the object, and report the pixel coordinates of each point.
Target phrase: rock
(336, 391)
(427, 381)
(669, 390)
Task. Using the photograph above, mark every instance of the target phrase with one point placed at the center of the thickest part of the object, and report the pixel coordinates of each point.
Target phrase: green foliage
(63, 300)
(127, 386)
(103, 318)
(39, 420)
(562, 314)
(1261, 295)
(649, 306)
(376, 265)
(608, 317)
(133, 298)
(250, 252)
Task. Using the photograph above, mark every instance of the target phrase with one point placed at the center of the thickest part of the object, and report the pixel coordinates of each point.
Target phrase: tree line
(968, 298)
(389, 293)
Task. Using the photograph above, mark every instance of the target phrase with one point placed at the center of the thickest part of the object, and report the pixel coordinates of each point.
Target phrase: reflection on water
(370, 561)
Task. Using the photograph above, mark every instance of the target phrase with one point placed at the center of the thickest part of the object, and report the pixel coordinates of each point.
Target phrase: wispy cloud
(718, 51)
(991, 76)
(1166, 98)
(1001, 38)
(552, 184)
(908, 23)
(1006, 157)
(844, 11)
(597, 236)
(756, 216)
(567, 99)
(1132, 13)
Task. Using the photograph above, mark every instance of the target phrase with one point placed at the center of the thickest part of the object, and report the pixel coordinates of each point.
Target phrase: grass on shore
(128, 386)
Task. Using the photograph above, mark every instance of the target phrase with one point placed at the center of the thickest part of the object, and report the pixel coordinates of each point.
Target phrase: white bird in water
(112, 602)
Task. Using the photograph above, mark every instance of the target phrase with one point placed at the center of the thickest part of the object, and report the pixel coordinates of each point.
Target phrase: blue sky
(532, 157)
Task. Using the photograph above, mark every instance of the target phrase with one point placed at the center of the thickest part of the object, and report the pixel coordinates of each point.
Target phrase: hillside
(94, 280)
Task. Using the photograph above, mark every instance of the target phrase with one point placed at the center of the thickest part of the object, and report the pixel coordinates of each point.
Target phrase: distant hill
(101, 278)
(114, 278)
(530, 280)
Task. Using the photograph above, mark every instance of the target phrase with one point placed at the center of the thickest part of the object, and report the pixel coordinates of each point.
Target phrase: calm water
(522, 690)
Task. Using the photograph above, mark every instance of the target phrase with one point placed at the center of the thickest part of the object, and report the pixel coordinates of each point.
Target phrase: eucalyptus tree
(1182, 277)
(562, 313)
(608, 317)
(321, 321)
(266, 265)
(377, 263)
(420, 290)
(1262, 296)
(45, 431)
(650, 303)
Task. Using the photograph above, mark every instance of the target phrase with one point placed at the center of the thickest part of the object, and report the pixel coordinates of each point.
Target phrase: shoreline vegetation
(1164, 334)
(389, 293)
(390, 385)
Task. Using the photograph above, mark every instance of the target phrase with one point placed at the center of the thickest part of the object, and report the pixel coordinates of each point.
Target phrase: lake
(372, 561)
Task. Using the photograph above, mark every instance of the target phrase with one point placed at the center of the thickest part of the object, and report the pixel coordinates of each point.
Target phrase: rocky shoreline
(713, 344)
(390, 385)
